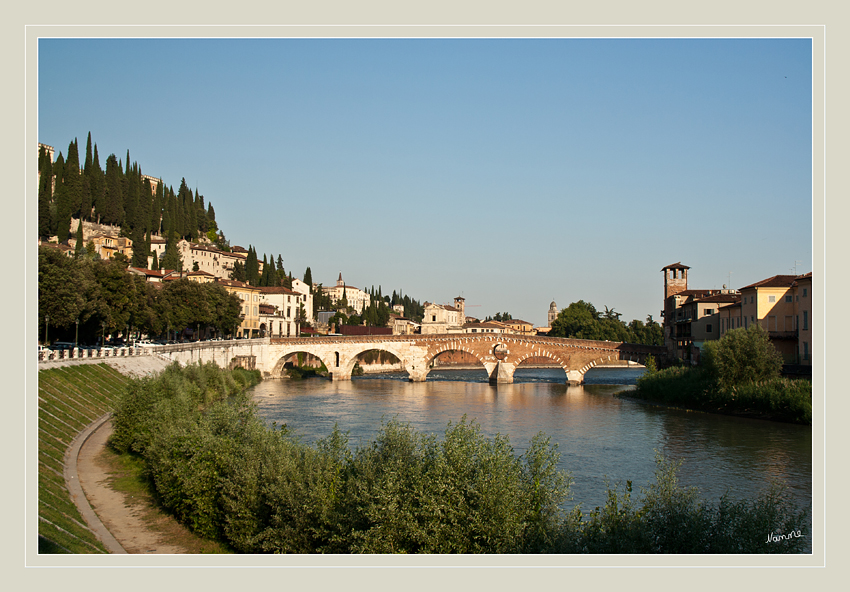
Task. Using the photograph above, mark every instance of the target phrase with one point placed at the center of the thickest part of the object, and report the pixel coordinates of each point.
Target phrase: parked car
(62, 345)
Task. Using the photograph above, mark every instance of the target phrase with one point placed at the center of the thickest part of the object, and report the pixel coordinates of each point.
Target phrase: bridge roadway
(500, 354)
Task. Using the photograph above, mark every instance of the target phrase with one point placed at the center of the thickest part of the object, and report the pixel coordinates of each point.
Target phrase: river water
(599, 436)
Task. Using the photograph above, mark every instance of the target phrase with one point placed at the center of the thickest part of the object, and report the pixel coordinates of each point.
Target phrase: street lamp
(102, 334)
(46, 322)
(77, 335)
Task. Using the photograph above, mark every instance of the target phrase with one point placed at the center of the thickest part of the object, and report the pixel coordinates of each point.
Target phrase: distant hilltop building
(443, 318)
(553, 313)
(356, 299)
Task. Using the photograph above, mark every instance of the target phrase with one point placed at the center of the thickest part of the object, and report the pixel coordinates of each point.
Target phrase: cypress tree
(156, 209)
(131, 200)
(140, 254)
(45, 192)
(88, 170)
(264, 278)
(155, 262)
(171, 259)
(114, 195)
(97, 187)
(200, 213)
(78, 247)
(308, 278)
(252, 267)
(72, 181)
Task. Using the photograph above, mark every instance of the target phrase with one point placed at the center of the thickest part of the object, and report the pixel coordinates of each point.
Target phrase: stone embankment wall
(136, 366)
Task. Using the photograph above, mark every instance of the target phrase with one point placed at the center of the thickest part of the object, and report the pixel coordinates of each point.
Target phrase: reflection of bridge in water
(499, 354)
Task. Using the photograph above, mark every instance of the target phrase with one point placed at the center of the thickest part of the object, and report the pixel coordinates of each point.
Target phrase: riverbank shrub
(742, 356)
(220, 470)
(739, 375)
(781, 399)
(673, 519)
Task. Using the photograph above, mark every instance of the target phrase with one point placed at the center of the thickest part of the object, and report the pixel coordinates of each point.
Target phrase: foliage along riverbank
(219, 469)
(739, 376)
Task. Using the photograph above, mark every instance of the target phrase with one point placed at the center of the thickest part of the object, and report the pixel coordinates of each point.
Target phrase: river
(599, 436)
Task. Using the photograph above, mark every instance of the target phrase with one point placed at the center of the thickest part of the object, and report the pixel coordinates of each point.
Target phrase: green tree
(45, 193)
(171, 259)
(252, 267)
(60, 288)
(742, 356)
(308, 278)
(78, 243)
(238, 272)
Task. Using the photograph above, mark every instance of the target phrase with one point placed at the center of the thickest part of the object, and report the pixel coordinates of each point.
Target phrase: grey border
(460, 13)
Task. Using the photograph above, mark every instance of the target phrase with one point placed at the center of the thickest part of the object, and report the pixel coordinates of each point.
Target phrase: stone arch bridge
(499, 354)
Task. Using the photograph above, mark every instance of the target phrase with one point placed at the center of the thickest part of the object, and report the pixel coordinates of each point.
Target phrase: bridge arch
(564, 364)
(352, 357)
(436, 349)
(285, 356)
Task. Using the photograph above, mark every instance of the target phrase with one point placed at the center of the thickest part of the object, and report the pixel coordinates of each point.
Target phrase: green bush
(742, 356)
(673, 519)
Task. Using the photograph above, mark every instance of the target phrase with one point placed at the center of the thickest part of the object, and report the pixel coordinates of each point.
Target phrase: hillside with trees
(119, 195)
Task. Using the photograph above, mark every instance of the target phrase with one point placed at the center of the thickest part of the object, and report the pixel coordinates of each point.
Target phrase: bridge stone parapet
(500, 355)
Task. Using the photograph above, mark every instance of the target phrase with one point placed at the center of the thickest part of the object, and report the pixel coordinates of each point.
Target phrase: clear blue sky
(513, 172)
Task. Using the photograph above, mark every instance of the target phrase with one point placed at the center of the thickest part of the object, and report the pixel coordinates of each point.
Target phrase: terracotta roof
(145, 272)
(675, 266)
(486, 324)
(517, 322)
(200, 273)
(277, 290)
(235, 284)
(777, 281)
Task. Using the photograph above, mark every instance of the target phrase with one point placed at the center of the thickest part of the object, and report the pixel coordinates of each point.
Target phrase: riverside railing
(85, 353)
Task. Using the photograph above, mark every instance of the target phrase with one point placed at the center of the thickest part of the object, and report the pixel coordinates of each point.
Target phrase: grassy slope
(69, 399)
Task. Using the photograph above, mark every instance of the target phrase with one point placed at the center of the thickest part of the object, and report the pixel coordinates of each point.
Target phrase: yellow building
(250, 297)
(520, 327)
(201, 277)
(108, 246)
(803, 300)
(782, 306)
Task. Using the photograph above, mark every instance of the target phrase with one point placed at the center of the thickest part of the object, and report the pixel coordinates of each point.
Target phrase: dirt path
(136, 526)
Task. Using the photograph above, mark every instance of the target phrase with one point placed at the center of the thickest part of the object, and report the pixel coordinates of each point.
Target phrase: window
(805, 320)
(805, 350)
(771, 298)
(788, 298)
(805, 292)
(708, 328)
(752, 299)
(708, 311)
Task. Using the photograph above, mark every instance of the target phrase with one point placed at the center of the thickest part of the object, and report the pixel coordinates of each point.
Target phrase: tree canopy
(581, 320)
(106, 299)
